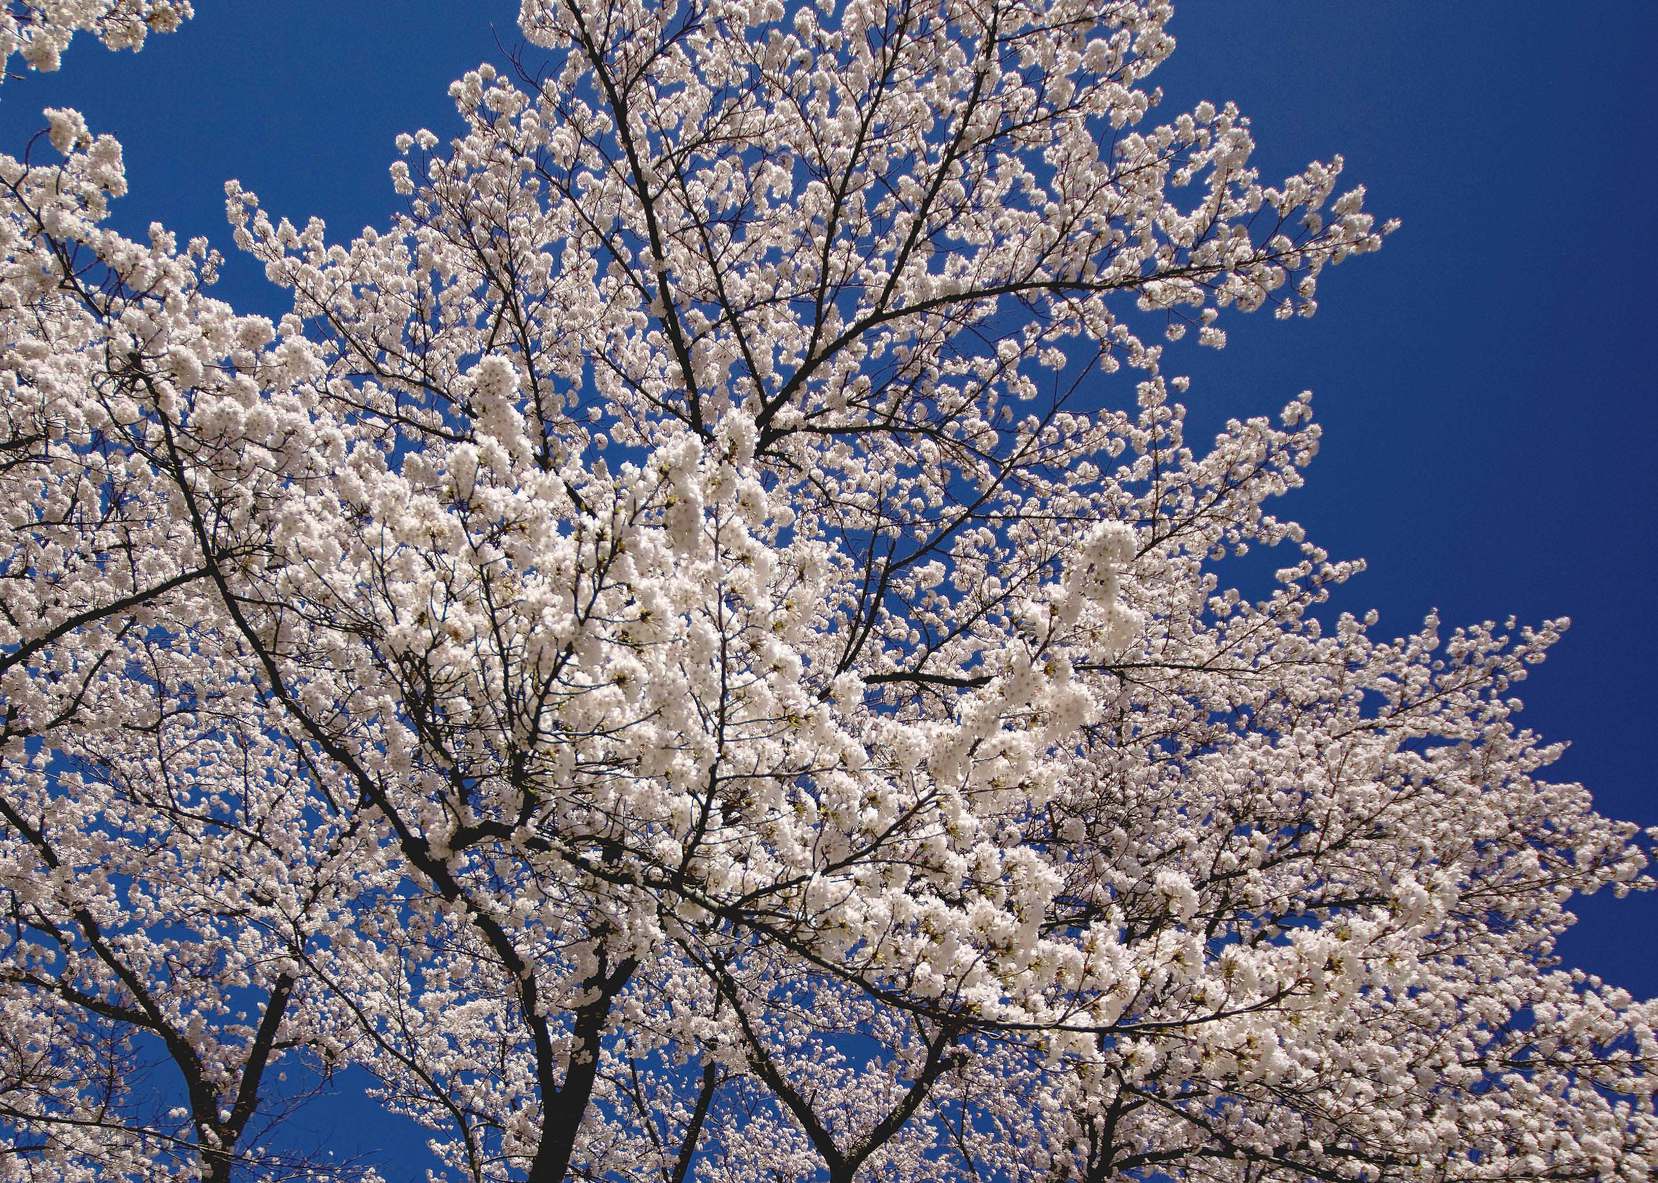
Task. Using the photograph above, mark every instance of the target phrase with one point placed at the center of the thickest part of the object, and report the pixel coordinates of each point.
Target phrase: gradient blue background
(1486, 382)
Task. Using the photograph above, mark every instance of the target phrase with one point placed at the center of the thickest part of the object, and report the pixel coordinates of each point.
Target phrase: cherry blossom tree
(702, 649)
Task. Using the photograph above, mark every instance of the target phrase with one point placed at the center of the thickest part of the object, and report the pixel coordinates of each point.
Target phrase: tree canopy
(702, 649)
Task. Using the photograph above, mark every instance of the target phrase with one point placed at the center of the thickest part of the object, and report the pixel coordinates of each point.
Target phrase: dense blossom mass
(703, 650)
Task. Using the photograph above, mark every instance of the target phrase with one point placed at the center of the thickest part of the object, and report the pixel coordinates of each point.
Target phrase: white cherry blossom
(700, 648)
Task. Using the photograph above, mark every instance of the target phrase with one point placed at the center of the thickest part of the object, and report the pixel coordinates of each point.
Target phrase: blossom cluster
(38, 31)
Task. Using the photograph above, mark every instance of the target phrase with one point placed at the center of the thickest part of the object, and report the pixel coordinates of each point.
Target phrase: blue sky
(1486, 381)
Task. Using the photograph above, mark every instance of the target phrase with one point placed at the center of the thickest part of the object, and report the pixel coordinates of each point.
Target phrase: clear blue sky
(1486, 382)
